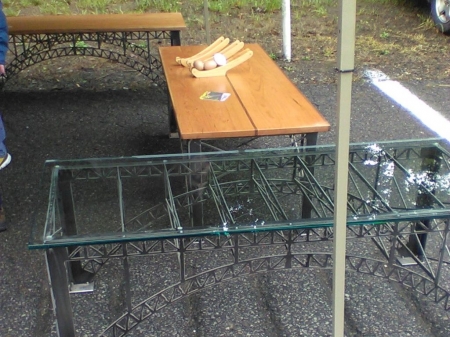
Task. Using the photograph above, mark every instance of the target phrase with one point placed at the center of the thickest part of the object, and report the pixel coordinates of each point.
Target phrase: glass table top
(107, 200)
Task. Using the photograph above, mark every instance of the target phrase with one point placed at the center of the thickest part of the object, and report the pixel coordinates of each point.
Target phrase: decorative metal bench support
(121, 38)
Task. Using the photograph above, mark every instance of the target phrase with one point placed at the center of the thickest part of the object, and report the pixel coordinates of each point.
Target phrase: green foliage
(224, 6)
(81, 44)
(142, 45)
(268, 5)
(316, 7)
(26, 3)
(384, 2)
(384, 35)
(426, 22)
(320, 11)
(93, 6)
(160, 5)
(54, 7)
(219, 6)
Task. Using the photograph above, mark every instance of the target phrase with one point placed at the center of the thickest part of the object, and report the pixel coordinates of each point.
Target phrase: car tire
(440, 12)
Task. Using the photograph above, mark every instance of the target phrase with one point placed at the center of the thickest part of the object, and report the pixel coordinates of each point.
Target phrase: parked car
(440, 12)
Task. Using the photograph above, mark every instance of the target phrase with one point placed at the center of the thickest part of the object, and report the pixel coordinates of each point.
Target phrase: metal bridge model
(237, 213)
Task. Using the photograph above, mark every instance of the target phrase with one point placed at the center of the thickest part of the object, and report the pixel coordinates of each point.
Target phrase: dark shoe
(2, 220)
(4, 161)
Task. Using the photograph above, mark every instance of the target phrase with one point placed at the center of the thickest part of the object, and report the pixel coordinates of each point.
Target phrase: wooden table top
(51, 24)
(263, 101)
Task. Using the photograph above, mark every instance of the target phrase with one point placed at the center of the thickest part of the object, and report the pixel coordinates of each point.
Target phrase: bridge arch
(150, 306)
(135, 50)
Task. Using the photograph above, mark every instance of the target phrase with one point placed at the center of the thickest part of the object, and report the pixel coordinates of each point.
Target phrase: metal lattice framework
(137, 50)
(263, 211)
(191, 285)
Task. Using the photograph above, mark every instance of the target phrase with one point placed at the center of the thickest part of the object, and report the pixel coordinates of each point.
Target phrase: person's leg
(2, 138)
(2, 217)
(5, 157)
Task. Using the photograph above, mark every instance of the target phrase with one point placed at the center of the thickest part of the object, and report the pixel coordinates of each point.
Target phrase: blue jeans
(3, 151)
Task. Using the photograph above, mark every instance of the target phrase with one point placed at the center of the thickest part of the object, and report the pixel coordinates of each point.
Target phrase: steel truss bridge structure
(137, 50)
(241, 213)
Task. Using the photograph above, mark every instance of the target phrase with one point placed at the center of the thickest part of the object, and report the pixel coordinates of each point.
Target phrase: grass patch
(157, 5)
(55, 7)
(373, 45)
(14, 7)
(94, 6)
(426, 22)
(387, 2)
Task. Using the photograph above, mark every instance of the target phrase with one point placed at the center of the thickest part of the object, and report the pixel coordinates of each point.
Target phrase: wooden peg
(207, 54)
(230, 50)
(222, 70)
(219, 44)
(182, 61)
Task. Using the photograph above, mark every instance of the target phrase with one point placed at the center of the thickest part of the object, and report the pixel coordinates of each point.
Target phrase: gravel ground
(105, 116)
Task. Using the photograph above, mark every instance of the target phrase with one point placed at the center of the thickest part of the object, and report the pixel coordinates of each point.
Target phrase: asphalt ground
(103, 118)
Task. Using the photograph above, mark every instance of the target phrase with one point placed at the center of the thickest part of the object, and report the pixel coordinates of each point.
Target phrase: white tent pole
(345, 65)
(286, 13)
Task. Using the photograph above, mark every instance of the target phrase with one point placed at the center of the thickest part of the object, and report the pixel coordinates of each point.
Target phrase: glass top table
(140, 198)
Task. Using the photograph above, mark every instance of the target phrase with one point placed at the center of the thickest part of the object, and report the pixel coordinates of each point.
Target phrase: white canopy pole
(286, 13)
(345, 65)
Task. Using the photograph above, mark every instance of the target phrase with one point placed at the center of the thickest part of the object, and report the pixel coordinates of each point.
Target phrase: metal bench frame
(136, 49)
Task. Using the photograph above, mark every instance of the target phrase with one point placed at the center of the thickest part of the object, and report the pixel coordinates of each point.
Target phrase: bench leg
(173, 128)
(175, 39)
(311, 140)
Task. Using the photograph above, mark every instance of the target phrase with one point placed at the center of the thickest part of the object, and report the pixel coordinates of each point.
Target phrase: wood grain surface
(48, 24)
(263, 100)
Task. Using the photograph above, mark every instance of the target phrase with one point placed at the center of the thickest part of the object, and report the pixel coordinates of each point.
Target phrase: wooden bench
(130, 39)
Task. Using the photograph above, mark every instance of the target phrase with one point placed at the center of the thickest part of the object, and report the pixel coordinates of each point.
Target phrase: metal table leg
(431, 163)
(77, 275)
(197, 181)
(55, 258)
